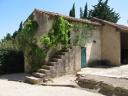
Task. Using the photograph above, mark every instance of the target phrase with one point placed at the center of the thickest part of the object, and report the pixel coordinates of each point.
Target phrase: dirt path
(14, 88)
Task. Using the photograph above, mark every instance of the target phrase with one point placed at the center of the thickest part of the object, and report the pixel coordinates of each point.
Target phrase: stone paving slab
(109, 86)
(115, 82)
(108, 81)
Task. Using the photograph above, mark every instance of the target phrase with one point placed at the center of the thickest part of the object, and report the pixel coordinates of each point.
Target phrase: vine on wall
(58, 35)
(83, 34)
(28, 44)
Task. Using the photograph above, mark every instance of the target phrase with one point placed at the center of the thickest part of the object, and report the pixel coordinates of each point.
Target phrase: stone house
(114, 42)
(109, 41)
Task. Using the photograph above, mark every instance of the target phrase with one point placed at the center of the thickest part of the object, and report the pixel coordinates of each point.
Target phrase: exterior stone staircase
(50, 70)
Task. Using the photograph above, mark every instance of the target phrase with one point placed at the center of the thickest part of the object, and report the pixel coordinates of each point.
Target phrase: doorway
(124, 48)
(83, 57)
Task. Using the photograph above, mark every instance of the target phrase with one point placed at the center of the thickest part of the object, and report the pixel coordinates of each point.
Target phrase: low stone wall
(102, 87)
(69, 63)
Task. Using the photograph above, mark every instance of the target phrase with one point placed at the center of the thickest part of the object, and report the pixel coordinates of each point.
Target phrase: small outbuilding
(108, 43)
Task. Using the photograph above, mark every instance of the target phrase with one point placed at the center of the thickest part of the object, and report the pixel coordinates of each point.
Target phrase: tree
(72, 11)
(14, 34)
(20, 27)
(103, 11)
(19, 30)
(81, 13)
(8, 37)
(85, 15)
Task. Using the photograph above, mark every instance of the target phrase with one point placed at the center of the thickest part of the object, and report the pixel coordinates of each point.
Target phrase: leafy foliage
(8, 44)
(15, 34)
(72, 11)
(11, 57)
(10, 37)
(28, 44)
(84, 34)
(7, 37)
(59, 35)
(103, 11)
(46, 40)
(26, 37)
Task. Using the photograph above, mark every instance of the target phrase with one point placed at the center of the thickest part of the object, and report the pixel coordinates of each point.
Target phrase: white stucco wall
(93, 49)
(110, 44)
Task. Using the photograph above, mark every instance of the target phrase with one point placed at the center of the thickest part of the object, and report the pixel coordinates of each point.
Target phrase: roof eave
(68, 18)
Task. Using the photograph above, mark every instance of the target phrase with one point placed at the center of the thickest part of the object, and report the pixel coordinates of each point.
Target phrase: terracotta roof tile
(118, 26)
(69, 18)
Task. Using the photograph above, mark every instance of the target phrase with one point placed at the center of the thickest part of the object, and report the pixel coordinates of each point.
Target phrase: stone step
(64, 50)
(46, 67)
(43, 71)
(46, 72)
(54, 59)
(58, 56)
(51, 63)
(33, 80)
(60, 53)
(39, 75)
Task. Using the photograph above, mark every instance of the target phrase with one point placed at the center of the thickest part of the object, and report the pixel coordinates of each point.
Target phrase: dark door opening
(83, 57)
(124, 48)
(13, 62)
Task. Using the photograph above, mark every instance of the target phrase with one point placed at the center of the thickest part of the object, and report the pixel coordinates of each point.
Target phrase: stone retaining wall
(69, 63)
(102, 87)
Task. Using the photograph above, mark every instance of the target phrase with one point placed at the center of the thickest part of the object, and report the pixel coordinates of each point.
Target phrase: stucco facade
(45, 22)
(93, 48)
(110, 44)
(105, 43)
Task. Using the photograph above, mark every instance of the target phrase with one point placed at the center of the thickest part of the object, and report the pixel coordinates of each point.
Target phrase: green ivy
(59, 34)
(28, 44)
(46, 40)
(83, 33)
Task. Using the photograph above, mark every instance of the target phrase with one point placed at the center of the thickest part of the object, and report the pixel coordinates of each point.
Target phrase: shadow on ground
(20, 77)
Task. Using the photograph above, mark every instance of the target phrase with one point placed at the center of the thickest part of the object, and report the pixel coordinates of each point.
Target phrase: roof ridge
(118, 26)
(68, 17)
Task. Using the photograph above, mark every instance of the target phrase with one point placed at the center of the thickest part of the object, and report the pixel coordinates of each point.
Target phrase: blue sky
(15, 11)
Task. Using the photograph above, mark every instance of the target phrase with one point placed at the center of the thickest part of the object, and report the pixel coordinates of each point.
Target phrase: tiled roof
(68, 18)
(118, 26)
(94, 21)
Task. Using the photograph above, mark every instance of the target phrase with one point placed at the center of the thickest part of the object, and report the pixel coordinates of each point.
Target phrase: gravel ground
(14, 88)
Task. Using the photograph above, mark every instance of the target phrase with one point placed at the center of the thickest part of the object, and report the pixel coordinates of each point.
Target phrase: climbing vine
(83, 34)
(58, 35)
(28, 44)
